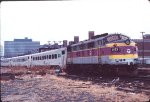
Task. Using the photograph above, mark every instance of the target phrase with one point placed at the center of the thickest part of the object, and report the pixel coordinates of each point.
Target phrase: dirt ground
(51, 88)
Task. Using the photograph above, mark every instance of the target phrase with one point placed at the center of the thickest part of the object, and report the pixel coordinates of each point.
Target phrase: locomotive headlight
(115, 45)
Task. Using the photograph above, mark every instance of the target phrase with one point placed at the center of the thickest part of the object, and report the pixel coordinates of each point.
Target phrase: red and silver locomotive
(114, 53)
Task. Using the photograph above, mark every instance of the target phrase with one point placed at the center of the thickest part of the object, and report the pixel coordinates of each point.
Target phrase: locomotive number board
(115, 37)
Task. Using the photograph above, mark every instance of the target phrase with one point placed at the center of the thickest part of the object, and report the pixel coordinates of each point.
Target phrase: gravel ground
(50, 88)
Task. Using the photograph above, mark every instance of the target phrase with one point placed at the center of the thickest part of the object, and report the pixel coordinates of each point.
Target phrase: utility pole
(143, 46)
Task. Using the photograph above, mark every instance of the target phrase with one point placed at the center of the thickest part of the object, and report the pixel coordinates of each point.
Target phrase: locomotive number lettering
(112, 38)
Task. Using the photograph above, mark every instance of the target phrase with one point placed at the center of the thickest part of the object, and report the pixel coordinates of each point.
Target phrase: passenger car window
(52, 56)
(59, 55)
(49, 56)
(55, 56)
(63, 52)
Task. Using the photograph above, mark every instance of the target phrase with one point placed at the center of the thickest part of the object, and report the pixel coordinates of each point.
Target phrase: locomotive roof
(100, 38)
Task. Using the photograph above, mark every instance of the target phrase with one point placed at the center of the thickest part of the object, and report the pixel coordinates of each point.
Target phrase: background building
(1, 51)
(76, 39)
(65, 43)
(91, 34)
(146, 43)
(71, 42)
(20, 47)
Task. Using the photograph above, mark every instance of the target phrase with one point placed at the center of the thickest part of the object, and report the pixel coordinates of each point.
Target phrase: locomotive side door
(63, 58)
(99, 55)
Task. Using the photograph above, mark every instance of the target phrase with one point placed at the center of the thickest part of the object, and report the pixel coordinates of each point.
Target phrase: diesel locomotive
(113, 53)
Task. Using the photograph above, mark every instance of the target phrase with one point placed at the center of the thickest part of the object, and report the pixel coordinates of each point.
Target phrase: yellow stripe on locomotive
(119, 53)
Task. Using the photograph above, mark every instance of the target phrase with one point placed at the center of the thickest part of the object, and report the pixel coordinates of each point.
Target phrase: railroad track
(129, 84)
(98, 78)
(140, 78)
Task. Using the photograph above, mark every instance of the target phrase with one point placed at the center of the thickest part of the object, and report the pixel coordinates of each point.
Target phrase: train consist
(104, 54)
(48, 59)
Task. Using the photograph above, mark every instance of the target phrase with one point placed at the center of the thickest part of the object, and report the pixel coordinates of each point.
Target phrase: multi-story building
(20, 47)
(71, 42)
(1, 51)
(76, 39)
(143, 46)
(91, 34)
(65, 43)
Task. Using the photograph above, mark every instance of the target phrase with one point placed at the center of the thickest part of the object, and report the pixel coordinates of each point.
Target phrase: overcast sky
(59, 20)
